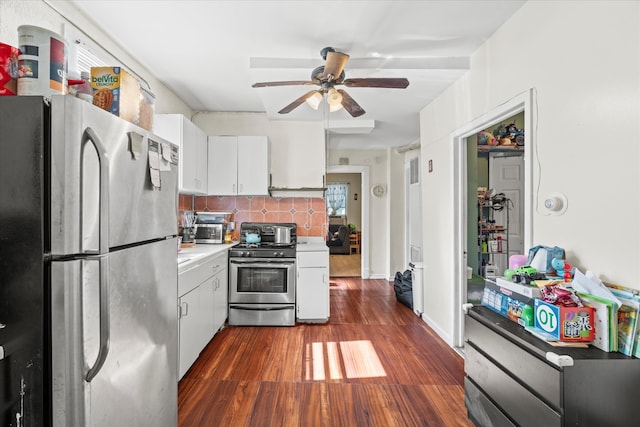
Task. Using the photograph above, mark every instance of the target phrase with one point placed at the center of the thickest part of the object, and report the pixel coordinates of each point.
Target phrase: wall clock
(377, 190)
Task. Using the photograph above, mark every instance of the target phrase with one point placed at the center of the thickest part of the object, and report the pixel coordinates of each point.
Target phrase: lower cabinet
(312, 291)
(221, 297)
(191, 324)
(515, 379)
(202, 307)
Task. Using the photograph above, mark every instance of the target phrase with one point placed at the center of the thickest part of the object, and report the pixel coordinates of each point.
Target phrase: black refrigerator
(88, 270)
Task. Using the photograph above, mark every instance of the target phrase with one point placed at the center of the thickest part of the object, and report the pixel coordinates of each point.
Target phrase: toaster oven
(211, 226)
(210, 233)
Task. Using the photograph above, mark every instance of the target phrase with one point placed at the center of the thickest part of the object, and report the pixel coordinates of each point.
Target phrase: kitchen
(553, 94)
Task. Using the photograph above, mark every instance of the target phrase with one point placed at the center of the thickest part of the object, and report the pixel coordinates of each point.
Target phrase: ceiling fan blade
(391, 83)
(295, 104)
(334, 65)
(284, 83)
(350, 104)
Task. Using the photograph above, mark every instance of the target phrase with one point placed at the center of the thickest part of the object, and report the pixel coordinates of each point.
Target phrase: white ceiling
(211, 52)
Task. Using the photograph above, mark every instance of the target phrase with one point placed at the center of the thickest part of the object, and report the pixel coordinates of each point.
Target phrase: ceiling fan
(328, 76)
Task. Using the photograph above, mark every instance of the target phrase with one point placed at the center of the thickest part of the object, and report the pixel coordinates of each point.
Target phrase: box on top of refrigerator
(118, 92)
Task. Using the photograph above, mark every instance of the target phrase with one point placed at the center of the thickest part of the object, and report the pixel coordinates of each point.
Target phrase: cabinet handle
(233, 186)
(184, 309)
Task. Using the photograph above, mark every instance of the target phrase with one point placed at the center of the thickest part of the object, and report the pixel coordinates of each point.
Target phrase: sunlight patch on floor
(350, 359)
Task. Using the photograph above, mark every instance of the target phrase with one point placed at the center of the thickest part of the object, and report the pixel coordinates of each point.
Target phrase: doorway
(363, 198)
(466, 196)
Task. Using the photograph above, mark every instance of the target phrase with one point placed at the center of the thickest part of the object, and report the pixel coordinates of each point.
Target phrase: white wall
(14, 13)
(582, 58)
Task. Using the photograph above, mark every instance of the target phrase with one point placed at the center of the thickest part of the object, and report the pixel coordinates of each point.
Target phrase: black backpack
(403, 287)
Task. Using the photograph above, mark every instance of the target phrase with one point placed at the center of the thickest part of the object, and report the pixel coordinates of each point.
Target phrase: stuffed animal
(486, 138)
(563, 268)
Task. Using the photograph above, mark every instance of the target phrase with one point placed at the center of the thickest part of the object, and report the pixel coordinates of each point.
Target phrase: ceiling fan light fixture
(334, 97)
(334, 108)
(314, 100)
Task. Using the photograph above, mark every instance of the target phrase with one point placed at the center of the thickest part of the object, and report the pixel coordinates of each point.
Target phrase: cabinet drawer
(481, 410)
(313, 259)
(535, 373)
(509, 395)
(197, 273)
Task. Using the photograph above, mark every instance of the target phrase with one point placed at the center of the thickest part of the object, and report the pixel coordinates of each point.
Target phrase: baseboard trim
(441, 332)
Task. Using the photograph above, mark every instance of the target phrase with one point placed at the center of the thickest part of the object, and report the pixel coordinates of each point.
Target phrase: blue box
(508, 307)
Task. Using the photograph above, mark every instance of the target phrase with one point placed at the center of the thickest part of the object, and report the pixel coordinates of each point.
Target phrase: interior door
(506, 175)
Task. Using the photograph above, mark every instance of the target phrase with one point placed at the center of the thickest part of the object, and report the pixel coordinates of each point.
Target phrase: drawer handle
(559, 360)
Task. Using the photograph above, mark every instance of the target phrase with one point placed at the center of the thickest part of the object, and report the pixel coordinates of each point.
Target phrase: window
(337, 196)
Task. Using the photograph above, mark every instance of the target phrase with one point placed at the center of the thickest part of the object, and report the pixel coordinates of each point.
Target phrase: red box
(565, 323)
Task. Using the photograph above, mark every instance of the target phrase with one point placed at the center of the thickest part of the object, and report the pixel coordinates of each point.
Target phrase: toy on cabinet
(563, 269)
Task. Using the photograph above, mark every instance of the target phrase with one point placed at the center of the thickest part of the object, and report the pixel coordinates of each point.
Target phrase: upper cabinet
(238, 166)
(193, 150)
(298, 164)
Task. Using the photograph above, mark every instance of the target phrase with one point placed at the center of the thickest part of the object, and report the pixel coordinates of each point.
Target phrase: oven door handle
(263, 262)
(249, 308)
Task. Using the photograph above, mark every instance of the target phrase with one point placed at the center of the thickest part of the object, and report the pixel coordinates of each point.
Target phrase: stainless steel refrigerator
(88, 270)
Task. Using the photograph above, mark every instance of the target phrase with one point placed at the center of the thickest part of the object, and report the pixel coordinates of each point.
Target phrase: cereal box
(118, 92)
(565, 323)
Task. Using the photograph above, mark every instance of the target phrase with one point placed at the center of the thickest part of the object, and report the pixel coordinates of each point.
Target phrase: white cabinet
(312, 291)
(221, 298)
(238, 166)
(202, 302)
(191, 321)
(193, 150)
(298, 159)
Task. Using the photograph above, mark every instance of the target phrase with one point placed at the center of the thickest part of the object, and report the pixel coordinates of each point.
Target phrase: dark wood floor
(374, 364)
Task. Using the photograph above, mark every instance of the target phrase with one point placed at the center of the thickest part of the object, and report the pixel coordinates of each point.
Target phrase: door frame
(517, 104)
(364, 212)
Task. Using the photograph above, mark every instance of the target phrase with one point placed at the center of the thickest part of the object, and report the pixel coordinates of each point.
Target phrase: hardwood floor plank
(375, 363)
(314, 405)
(215, 403)
(276, 404)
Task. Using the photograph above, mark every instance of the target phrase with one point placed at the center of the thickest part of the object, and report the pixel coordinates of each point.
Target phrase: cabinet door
(181, 131)
(312, 297)
(190, 326)
(207, 307)
(221, 299)
(222, 165)
(253, 165)
(189, 151)
(201, 167)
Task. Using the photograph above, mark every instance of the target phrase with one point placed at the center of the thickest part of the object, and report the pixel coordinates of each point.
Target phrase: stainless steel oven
(263, 291)
(262, 279)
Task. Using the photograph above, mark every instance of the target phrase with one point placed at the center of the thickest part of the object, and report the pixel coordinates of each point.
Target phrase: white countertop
(312, 244)
(187, 256)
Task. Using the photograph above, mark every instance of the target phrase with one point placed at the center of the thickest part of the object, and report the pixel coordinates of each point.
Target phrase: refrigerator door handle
(89, 135)
(105, 331)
